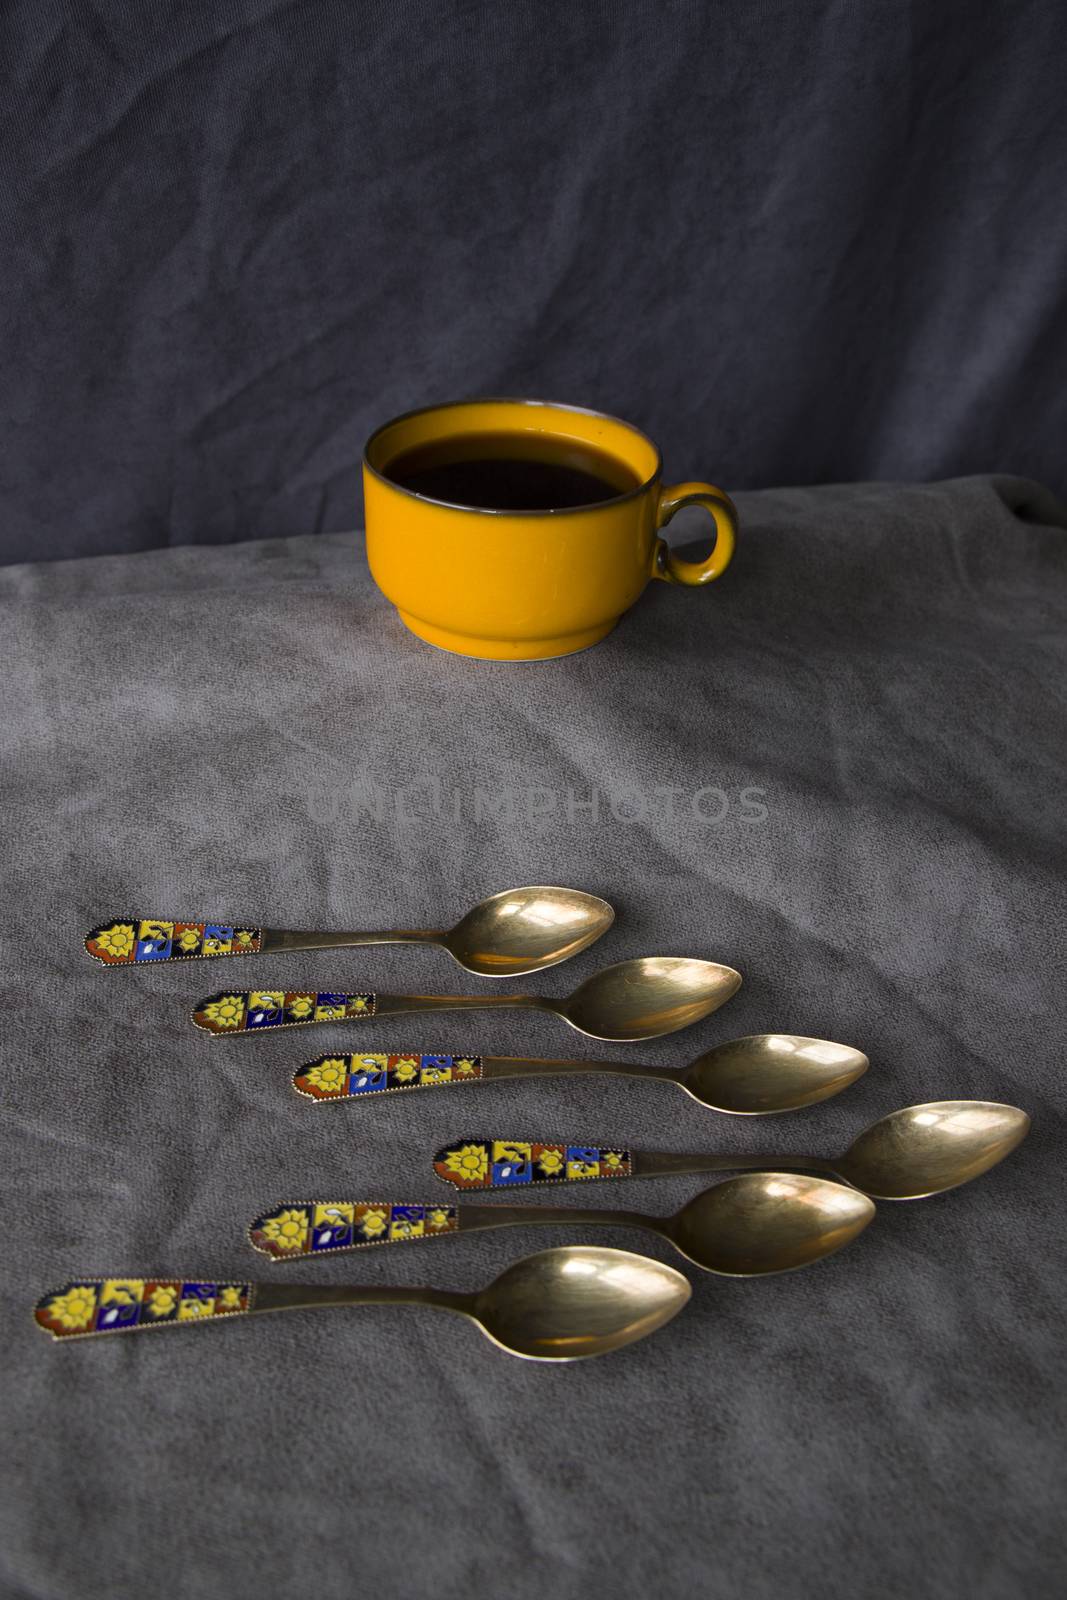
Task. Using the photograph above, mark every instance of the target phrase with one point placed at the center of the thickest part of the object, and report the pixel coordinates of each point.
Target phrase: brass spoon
(520, 930)
(632, 1000)
(910, 1154)
(560, 1305)
(752, 1077)
(744, 1228)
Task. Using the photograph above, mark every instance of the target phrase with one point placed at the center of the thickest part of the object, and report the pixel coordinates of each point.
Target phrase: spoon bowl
(766, 1073)
(578, 1301)
(526, 930)
(766, 1222)
(927, 1149)
(647, 997)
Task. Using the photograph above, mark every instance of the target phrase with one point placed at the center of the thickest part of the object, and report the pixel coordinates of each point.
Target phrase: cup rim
(513, 400)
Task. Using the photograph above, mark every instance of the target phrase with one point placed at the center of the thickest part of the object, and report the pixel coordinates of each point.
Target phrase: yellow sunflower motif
(116, 941)
(162, 1300)
(189, 939)
(439, 1217)
(470, 1161)
(226, 1012)
(286, 1231)
(330, 1076)
(406, 1069)
(301, 1006)
(374, 1223)
(612, 1159)
(464, 1067)
(243, 939)
(550, 1162)
(74, 1309)
(230, 1299)
(358, 1006)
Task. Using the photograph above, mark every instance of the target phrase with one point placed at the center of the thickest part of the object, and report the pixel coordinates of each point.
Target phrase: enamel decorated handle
(354, 1077)
(507, 1163)
(129, 941)
(91, 1306)
(115, 1305)
(311, 1227)
(278, 1008)
(229, 1012)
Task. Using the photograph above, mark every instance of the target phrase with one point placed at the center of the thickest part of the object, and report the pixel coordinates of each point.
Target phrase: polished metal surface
(772, 1072)
(526, 930)
(767, 1222)
(645, 998)
(926, 1149)
(578, 1301)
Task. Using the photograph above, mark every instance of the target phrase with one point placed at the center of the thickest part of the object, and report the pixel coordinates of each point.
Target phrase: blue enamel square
(407, 1213)
(331, 1235)
(114, 1315)
(578, 1152)
(364, 1079)
(332, 1000)
(262, 1018)
(444, 1062)
(153, 949)
(508, 1172)
(215, 930)
(199, 1291)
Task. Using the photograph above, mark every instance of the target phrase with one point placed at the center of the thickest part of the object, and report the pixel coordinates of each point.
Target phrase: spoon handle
(129, 941)
(232, 1012)
(301, 1228)
(89, 1306)
(503, 1163)
(352, 1077)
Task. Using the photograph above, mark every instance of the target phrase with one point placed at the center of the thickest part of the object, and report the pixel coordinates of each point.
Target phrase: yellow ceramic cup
(527, 585)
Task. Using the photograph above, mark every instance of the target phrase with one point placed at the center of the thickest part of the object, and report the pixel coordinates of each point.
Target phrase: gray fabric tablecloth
(840, 771)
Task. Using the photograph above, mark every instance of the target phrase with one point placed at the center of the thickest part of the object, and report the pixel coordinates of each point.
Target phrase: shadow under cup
(517, 530)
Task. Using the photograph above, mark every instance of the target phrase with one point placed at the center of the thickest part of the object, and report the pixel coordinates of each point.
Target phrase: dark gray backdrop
(798, 243)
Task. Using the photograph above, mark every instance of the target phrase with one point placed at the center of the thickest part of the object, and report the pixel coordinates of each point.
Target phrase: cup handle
(671, 568)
